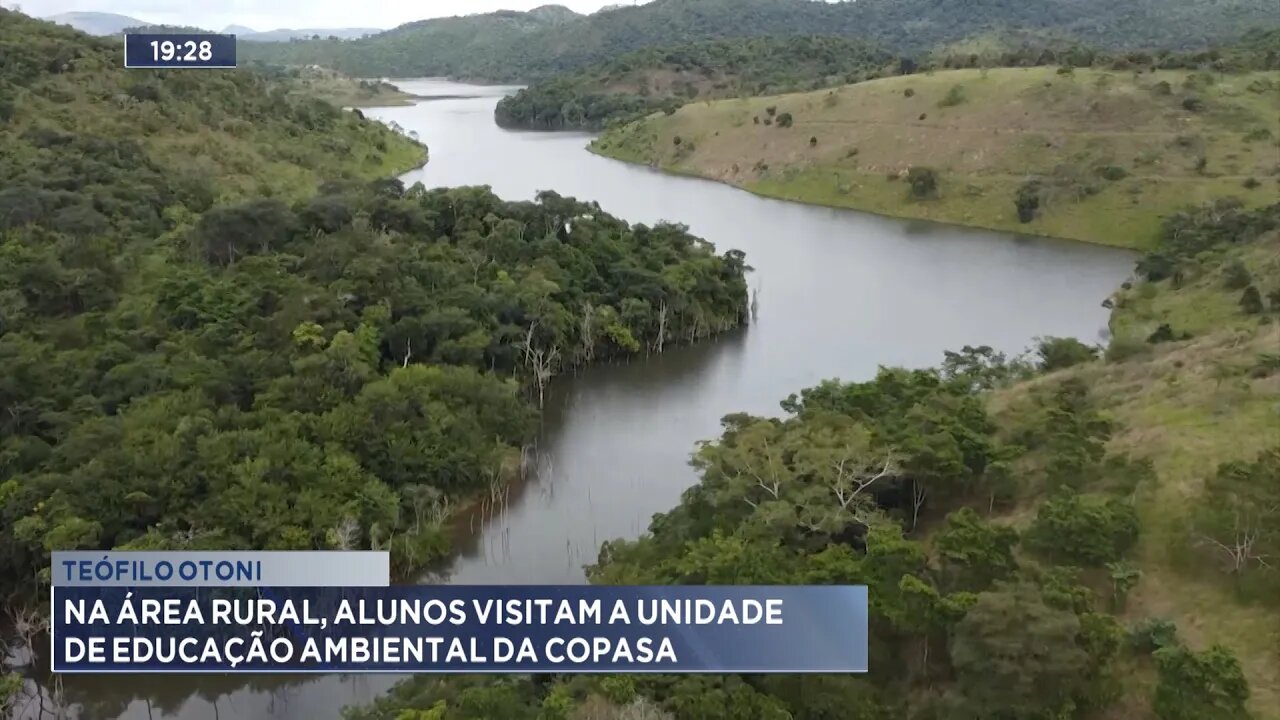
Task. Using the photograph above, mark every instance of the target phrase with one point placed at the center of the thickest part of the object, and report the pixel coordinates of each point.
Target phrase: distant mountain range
(527, 46)
(286, 34)
(98, 23)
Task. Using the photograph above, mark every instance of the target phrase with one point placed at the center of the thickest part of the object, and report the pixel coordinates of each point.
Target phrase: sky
(272, 14)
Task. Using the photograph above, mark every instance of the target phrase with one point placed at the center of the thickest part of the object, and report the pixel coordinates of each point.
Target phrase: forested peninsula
(636, 84)
(224, 325)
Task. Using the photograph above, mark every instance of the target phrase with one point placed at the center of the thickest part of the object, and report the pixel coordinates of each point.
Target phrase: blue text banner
(462, 629)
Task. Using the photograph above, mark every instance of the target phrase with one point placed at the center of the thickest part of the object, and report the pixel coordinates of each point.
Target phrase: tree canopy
(258, 347)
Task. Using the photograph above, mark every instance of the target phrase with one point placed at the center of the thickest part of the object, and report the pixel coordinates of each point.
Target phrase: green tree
(1060, 353)
(1207, 685)
(1016, 657)
(1086, 529)
(1027, 201)
(973, 553)
(1251, 301)
(924, 182)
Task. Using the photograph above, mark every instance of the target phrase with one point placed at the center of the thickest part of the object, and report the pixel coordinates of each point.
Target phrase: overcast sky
(272, 14)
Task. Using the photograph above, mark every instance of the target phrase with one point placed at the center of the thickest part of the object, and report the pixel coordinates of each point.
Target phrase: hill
(509, 46)
(69, 104)
(1089, 154)
(224, 324)
(460, 47)
(96, 23)
(286, 34)
(1073, 534)
(636, 84)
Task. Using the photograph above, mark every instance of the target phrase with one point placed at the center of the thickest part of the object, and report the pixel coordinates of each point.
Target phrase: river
(840, 293)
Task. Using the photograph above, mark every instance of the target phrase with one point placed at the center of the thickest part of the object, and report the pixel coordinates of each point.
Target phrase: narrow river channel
(840, 293)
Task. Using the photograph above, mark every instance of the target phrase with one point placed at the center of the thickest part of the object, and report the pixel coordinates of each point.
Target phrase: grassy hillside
(1112, 151)
(636, 84)
(1208, 396)
(510, 46)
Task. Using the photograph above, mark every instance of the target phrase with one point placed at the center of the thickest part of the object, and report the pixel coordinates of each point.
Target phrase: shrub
(924, 182)
(756, 119)
(677, 140)
(1192, 103)
(909, 92)
(1236, 276)
(1125, 348)
(1086, 529)
(1112, 172)
(771, 110)
(784, 120)
(1028, 200)
(1151, 634)
(1199, 685)
(954, 96)
(1251, 183)
(1066, 70)
(813, 141)
(1251, 301)
(924, 116)
(1060, 353)
(1162, 88)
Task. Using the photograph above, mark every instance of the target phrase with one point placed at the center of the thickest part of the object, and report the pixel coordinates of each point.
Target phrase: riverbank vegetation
(336, 88)
(636, 84)
(218, 332)
(1070, 534)
(1100, 155)
(510, 46)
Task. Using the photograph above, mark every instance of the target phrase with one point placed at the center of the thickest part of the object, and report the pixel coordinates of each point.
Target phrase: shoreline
(676, 172)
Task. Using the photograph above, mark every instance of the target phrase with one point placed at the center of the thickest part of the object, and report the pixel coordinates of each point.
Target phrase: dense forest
(992, 509)
(524, 47)
(636, 84)
(663, 79)
(219, 331)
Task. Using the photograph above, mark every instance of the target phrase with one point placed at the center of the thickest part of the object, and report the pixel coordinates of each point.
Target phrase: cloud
(290, 13)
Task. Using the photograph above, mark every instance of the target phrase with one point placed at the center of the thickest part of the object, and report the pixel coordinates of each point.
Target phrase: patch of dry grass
(1176, 406)
(848, 147)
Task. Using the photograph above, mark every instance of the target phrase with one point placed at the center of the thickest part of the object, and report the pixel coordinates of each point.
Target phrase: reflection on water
(841, 293)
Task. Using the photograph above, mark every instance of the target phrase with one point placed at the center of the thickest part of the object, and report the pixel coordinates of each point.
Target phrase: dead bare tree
(588, 333)
(541, 362)
(346, 533)
(1239, 547)
(664, 312)
(853, 475)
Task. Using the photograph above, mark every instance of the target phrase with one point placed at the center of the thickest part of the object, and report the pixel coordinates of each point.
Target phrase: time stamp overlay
(176, 50)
